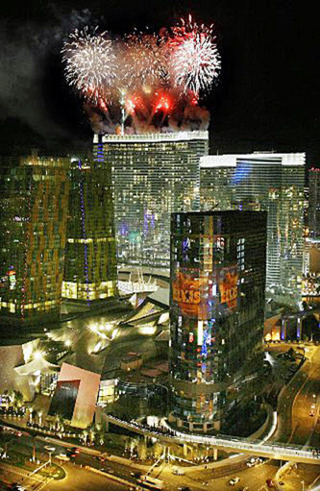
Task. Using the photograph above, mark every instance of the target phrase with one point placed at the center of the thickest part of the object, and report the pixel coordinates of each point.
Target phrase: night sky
(267, 97)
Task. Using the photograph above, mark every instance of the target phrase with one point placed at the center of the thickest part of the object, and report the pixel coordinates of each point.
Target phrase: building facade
(153, 175)
(90, 272)
(34, 203)
(314, 204)
(271, 182)
(218, 269)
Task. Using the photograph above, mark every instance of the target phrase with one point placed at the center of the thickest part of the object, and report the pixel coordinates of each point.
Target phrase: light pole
(50, 450)
(302, 485)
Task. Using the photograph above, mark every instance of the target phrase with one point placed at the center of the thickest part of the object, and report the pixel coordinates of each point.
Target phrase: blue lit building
(272, 182)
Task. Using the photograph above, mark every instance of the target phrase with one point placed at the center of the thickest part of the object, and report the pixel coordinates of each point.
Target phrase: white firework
(90, 63)
(195, 63)
(144, 60)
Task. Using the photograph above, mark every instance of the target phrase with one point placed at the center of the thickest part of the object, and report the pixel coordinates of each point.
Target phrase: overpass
(274, 450)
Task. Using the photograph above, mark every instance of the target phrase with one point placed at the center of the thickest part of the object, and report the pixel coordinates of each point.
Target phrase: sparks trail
(90, 64)
(144, 82)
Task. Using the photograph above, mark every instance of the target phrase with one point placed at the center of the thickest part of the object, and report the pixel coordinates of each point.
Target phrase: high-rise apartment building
(218, 266)
(273, 182)
(314, 204)
(153, 175)
(34, 203)
(90, 266)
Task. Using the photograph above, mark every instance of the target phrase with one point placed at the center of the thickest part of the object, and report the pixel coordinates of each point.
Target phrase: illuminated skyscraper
(34, 203)
(273, 182)
(153, 175)
(314, 204)
(90, 265)
(218, 266)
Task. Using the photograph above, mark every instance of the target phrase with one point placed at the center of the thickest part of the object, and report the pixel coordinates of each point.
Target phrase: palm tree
(58, 418)
(18, 398)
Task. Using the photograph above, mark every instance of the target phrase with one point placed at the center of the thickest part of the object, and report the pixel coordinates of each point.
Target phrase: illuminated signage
(186, 292)
(228, 286)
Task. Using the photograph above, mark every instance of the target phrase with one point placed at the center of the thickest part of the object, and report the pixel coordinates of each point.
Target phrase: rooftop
(154, 137)
(230, 160)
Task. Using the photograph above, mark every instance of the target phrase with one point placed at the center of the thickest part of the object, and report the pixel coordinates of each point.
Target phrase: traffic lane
(10, 474)
(24, 445)
(292, 480)
(305, 424)
(78, 479)
(124, 471)
(254, 478)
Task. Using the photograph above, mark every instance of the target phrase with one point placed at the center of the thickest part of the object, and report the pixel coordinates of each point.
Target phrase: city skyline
(160, 272)
(266, 97)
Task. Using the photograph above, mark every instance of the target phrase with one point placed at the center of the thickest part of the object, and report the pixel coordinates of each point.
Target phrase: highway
(274, 450)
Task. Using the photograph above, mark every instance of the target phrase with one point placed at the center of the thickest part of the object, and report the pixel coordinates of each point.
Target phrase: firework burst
(144, 81)
(194, 57)
(90, 64)
(145, 63)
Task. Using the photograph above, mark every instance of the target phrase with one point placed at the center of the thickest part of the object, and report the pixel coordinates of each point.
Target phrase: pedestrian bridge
(272, 450)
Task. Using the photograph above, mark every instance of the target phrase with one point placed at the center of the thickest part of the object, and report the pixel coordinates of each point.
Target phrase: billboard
(200, 296)
(188, 293)
(228, 287)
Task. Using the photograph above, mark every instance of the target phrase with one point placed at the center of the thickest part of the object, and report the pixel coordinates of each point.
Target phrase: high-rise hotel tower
(90, 272)
(273, 182)
(154, 175)
(218, 265)
(314, 204)
(34, 204)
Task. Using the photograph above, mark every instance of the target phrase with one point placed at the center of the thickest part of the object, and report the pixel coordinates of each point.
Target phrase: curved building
(218, 270)
(153, 175)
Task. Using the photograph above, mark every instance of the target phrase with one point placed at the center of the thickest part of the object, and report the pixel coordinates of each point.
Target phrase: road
(230, 444)
(83, 480)
(306, 428)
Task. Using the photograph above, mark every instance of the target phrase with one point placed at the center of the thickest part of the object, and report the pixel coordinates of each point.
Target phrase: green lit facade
(90, 272)
(153, 175)
(218, 270)
(34, 203)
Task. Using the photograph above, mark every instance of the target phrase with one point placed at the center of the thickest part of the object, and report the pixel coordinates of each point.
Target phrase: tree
(142, 450)
(157, 450)
(17, 398)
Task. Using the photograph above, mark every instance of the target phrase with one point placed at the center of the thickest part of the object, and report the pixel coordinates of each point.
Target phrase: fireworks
(145, 64)
(194, 61)
(90, 63)
(145, 74)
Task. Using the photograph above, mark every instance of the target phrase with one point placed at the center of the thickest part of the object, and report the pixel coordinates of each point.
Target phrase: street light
(50, 450)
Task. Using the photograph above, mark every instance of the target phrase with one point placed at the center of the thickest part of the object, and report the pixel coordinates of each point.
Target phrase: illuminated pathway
(274, 450)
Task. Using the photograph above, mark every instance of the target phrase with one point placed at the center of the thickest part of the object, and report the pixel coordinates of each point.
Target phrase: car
(281, 483)
(270, 483)
(234, 481)
(177, 471)
(63, 456)
(108, 470)
(137, 475)
(311, 413)
(184, 488)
